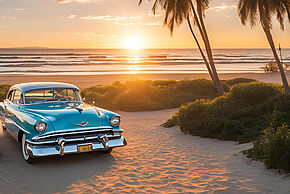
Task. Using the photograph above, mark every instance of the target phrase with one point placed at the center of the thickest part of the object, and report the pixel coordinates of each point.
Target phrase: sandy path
(155, 160)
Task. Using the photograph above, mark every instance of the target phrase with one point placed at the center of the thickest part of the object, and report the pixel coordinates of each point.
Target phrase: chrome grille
(77, 136)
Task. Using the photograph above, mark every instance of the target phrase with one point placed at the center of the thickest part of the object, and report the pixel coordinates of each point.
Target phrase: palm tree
(200, 50)
(261, 11)
(202, 5)
(176, 11)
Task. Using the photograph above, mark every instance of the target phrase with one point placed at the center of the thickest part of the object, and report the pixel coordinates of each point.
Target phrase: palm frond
(253, 11)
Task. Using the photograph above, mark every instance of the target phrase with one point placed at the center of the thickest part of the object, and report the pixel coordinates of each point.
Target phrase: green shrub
(171, 122)
(153, 95)
(254, 93)
(273, 147)
(241, 115)
(232, 82)
(149, 95)
(3, 91)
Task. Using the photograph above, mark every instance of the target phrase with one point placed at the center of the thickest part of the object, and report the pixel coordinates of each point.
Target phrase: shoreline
(83, 81)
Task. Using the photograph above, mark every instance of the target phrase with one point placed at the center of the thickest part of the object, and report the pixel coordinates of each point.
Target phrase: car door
(12, 107)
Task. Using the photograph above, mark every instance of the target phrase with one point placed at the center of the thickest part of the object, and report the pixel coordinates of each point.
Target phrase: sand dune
(155, 160)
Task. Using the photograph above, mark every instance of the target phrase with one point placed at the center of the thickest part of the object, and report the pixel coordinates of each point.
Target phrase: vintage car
(50, 118)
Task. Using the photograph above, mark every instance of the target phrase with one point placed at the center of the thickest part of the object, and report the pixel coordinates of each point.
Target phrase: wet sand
(90, 80)
(156, 160)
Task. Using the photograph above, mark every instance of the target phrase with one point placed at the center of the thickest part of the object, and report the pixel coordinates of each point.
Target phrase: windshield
(54, 94)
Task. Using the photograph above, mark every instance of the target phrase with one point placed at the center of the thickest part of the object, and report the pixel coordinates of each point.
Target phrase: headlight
(115, 121)
(41, 126)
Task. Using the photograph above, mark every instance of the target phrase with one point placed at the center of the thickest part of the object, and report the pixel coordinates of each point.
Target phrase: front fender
(107, 115)
(28, 120)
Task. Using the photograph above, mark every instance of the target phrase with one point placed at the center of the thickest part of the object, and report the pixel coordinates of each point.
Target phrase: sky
(120, 24)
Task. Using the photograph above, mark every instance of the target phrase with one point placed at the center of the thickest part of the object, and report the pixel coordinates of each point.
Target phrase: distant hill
(28, 47)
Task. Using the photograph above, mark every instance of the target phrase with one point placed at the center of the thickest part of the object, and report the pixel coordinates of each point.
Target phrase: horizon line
(177, 48)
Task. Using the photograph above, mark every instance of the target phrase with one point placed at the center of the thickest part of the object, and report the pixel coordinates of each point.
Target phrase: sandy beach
(90, 80)
(156, 160)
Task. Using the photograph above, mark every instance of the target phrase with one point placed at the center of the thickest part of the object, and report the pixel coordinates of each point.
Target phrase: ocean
(114, 61)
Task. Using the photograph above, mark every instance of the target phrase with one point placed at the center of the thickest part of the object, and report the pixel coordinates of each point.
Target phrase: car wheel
(24, 151)
(107, 151)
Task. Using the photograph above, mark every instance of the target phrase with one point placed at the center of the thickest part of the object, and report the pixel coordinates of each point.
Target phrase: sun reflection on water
(133, 69)
(134, 59)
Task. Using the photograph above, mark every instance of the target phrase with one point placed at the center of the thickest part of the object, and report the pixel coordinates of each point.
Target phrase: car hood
(68, 116)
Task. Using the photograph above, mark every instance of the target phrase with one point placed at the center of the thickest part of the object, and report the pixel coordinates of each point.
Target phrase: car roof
(42, 85)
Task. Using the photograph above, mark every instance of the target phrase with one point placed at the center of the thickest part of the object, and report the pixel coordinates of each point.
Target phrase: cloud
(111, 18)
(223, 7)
(18, 9)
(76, 33)
(71, 16)
(89, 34)
(122, 20)
(156, 15)
(76, 1)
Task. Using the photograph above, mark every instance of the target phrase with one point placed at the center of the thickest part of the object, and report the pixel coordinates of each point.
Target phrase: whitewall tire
(24, 151)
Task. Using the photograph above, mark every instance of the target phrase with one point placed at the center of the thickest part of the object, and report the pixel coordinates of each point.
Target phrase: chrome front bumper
(60, 147)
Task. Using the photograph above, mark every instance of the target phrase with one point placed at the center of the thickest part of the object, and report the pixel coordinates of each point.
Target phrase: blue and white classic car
(50, 118)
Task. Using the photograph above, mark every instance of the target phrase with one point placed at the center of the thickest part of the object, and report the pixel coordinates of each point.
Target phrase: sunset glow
(121, 25)
(134, 42)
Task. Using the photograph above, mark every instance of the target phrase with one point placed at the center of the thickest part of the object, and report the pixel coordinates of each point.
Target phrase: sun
(134, 42)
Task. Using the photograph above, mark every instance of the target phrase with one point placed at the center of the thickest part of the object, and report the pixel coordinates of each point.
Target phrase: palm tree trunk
(272, 45)
(200, 50)
(203, 32)
(210, 56)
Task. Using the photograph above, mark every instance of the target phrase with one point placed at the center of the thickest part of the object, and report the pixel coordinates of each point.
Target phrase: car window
(17, 97)
(38, 95)
(10, 95)
(52, 95)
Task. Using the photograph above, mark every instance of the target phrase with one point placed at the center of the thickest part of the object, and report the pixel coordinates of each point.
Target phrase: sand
(90, 80)
(156, 160)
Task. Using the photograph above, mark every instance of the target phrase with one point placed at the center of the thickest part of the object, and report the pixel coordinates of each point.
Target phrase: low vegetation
(273, 147)
(149, 95)
(153, 95)
(3, 91)
(242, 115)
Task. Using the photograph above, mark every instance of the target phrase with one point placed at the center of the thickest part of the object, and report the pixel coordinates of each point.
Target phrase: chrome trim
(80, 129)
(53, 134)
(40, 151)
(104, 140)
(69, 140)
(61, 142)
